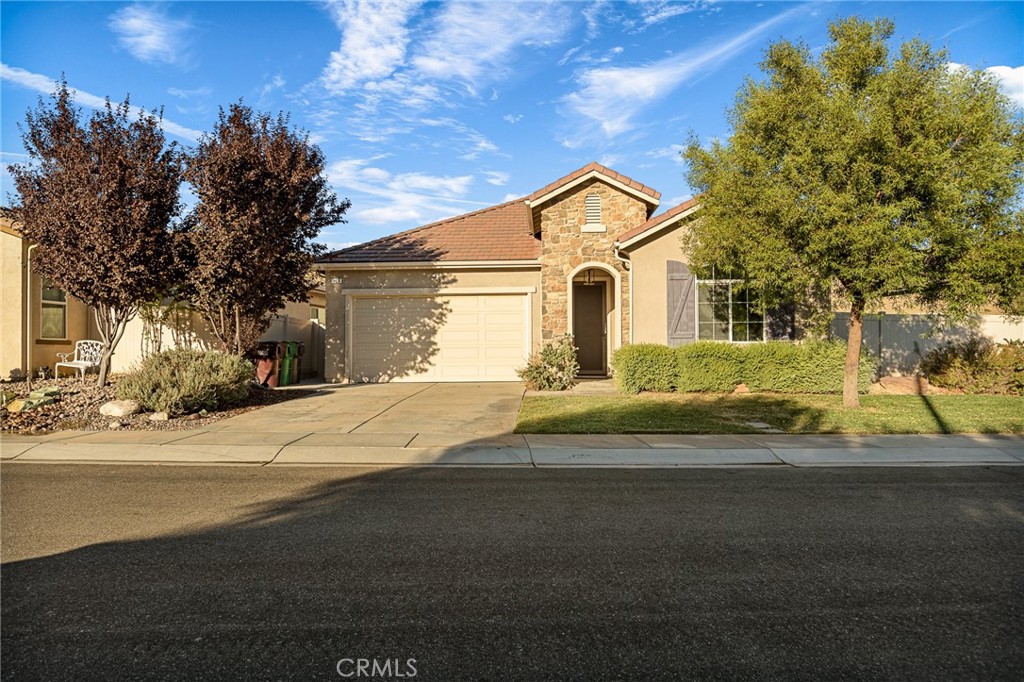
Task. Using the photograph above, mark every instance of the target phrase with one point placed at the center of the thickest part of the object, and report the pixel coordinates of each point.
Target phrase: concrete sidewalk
(391, 449)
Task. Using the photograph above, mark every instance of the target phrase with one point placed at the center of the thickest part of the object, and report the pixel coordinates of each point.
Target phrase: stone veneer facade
(566, 247)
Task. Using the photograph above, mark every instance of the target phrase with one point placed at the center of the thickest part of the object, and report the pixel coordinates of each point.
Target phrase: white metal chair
(85, 357)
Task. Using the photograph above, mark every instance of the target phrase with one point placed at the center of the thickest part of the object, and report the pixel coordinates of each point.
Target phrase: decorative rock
(120, 408)
(115, 425)
(192, 417)
(159, 417)
(741, 389)
(27, 404)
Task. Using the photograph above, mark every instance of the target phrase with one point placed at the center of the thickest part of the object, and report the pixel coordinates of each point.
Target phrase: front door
(588, 325)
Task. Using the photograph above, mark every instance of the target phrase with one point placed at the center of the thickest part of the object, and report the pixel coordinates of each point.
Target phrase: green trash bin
(291, 350)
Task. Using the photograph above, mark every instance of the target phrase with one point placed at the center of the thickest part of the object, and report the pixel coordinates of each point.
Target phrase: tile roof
(497, 233)
(594, 166)
(658, 220)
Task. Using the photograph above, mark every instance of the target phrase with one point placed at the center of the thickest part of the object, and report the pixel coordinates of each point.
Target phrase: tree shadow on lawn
(671, 413)
(736, 414)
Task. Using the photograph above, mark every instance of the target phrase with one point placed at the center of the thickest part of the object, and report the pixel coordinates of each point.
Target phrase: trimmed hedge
(706, 366)
(183, 381)
(709, 367)
(645, 367)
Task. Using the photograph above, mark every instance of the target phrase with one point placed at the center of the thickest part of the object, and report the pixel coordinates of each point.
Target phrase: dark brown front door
(588, 324)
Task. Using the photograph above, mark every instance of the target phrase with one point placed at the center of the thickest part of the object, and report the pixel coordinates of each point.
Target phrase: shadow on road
(511, 574)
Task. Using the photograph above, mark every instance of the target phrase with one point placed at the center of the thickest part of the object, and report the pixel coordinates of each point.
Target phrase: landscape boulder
(120, 408)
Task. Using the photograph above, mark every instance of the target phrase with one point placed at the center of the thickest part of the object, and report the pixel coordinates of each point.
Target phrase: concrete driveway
(388, 415)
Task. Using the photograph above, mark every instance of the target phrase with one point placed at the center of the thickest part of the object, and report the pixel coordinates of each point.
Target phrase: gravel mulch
(79, 404)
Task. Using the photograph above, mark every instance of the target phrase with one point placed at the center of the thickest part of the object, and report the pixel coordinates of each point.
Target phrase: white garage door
(439, 338)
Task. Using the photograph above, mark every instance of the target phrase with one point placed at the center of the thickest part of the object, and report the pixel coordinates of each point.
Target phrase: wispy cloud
(656, 11)
(611, 96)
(151, 35)
(472, 43)
(512, 118)
(47, 86)
(497, 178)
(401, 197)
(471, 144)
(373, 42)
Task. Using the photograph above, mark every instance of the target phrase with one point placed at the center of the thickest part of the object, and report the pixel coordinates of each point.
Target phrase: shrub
(183, 381)
(977, 365)
(815, 367)
(709, 366)
(554, 368)
(645, 367)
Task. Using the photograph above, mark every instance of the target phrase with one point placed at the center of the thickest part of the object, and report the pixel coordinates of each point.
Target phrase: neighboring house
(42, 320)
(469, 298)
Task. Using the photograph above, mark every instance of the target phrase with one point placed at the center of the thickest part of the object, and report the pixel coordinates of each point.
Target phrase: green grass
(704, 413)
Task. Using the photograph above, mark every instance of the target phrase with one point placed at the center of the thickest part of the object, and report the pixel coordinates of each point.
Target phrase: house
(469, 298)
(39, 320)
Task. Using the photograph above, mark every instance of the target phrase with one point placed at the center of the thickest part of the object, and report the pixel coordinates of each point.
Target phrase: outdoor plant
(554, 368)
(183, 381)
(977, 365)
(774, 367)
(709, 366)
(645, 367)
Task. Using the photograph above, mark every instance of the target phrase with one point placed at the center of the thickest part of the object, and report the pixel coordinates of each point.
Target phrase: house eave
(434, 265)
(646, 198)
(671, 222)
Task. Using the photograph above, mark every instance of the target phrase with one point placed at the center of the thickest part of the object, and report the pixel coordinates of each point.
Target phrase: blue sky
(426, 110)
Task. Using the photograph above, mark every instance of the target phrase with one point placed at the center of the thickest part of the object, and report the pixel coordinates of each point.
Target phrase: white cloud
(47, 86)
(401, 197)
(512, 118)
(673, 151)
(511, 197)
(473, 43)
(656, 11)
(182, 93)
(612, 96)
(471, 143)
(497, 178)
(1011, 78)
(151, 35)
(373, 42)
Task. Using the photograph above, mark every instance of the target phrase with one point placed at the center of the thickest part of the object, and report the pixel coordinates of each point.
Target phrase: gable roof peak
(593, 169)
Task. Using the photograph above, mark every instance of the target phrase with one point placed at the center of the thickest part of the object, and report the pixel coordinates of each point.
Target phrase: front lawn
(721, 413)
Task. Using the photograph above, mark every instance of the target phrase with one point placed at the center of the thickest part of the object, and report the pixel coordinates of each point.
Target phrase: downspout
(28, 319)
(629, 268)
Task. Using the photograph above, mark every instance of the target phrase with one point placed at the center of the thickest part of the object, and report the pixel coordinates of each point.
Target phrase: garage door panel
(448, 338)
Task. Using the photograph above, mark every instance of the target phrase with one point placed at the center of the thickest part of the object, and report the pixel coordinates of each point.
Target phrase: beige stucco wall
(566, 247)
(13, 269)
(649, 260)
(340, 281)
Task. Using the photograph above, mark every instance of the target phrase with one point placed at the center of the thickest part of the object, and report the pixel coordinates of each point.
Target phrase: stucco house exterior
(471, 297)
(39, 320)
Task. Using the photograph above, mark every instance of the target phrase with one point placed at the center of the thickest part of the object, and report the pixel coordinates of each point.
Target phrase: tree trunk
(111, 323)
(238, 332)
(851, 396)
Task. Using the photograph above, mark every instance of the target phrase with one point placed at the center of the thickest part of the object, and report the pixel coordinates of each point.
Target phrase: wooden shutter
(681, 302)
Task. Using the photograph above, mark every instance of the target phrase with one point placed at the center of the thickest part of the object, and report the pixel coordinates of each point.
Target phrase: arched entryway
(594, 315)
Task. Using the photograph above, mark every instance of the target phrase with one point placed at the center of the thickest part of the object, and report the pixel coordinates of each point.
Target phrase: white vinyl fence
(901, 340)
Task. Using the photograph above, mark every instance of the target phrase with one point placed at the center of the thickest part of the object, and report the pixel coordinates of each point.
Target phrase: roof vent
(592, 214)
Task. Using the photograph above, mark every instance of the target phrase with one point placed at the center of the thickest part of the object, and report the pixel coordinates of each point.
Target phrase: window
(727, 311)
(318, 315)
(592, 214)
(54, 313)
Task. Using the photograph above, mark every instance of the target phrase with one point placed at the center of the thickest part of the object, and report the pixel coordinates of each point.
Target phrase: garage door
(439, 338)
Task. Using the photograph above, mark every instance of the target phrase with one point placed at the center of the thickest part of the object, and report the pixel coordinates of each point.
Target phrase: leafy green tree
(98, 200)
(263, 198)
(868, 175)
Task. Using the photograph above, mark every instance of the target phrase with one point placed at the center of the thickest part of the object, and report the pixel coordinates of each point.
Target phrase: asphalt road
(192, 573)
